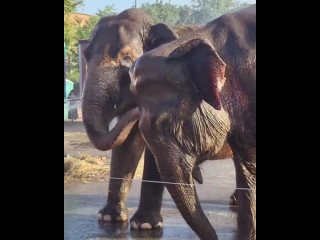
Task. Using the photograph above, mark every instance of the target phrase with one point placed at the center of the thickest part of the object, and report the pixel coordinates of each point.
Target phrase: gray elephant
(181, 130)
(116, 43)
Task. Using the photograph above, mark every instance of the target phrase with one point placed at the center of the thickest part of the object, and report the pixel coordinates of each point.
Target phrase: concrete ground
(83, 201)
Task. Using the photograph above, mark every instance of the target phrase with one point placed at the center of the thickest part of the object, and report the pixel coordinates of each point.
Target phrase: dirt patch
(77, 143)
(82, 161)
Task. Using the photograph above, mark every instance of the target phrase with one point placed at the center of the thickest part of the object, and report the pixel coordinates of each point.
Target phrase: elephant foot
(233, 199)
(146, 220)
(113, 214)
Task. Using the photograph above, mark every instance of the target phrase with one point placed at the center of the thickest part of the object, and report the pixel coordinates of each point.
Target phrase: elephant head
(180, 129)
(116, 43)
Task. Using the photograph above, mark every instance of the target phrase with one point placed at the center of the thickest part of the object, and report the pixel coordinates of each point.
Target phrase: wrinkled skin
(116, 43)
(193, 94)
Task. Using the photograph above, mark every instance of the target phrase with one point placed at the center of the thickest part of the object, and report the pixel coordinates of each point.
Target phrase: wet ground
(82, 202)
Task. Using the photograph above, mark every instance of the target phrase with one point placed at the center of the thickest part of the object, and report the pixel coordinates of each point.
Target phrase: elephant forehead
(149, 66)
(109, 61)
(147, 70)
(130, 50)
(127, 50)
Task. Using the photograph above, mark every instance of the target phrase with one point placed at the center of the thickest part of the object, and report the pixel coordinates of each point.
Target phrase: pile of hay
(85, 168)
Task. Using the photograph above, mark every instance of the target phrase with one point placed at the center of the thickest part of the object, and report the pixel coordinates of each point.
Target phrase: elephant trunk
(98, 110)
(186, 199)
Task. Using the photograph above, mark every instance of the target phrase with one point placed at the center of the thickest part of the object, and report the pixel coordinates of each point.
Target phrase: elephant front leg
(124, 161)
(176, 170)
(148, 215)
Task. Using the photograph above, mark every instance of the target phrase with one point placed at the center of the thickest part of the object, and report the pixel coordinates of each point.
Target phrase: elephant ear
(205, 67)
(158, 34)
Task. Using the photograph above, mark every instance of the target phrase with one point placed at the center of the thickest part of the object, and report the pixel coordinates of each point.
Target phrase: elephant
(116, 43)
(193, 94)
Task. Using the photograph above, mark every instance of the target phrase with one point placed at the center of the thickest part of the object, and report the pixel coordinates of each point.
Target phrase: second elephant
(193, 94)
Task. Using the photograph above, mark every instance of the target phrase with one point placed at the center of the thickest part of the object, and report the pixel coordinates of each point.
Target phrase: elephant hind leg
(246, 197)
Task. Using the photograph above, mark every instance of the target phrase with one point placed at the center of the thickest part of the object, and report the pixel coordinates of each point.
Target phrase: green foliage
(70, 39)
(241, 6)
(207, 10)
(70, 31)
(186, 15)
(86, 31)
(106, 11)
(162, 13)
(201, 11)
(73, 32)
(71, 5)
(74, 75)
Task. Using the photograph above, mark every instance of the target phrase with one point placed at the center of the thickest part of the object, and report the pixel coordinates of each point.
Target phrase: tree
(162, 13)
(71, 5)
(86, 31)
(240, 6)
(74, 31)
(70, 32)
(106, 11)
(185, 15)
(201, 12)
(207, 10)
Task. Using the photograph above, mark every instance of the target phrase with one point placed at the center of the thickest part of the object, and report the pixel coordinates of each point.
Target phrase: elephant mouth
(119, 129)
(121, 113)
(125, 115)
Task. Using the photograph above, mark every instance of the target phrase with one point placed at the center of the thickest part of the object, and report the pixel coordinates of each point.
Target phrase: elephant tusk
(113, 123)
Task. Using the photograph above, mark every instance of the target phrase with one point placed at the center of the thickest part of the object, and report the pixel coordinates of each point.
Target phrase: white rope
(174, 183)
(159, 182)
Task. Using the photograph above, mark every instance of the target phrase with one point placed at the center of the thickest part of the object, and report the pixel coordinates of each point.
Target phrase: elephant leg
(233, 198)
(124, 161)
(246, 179)
(148, 215)
(175, 167)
